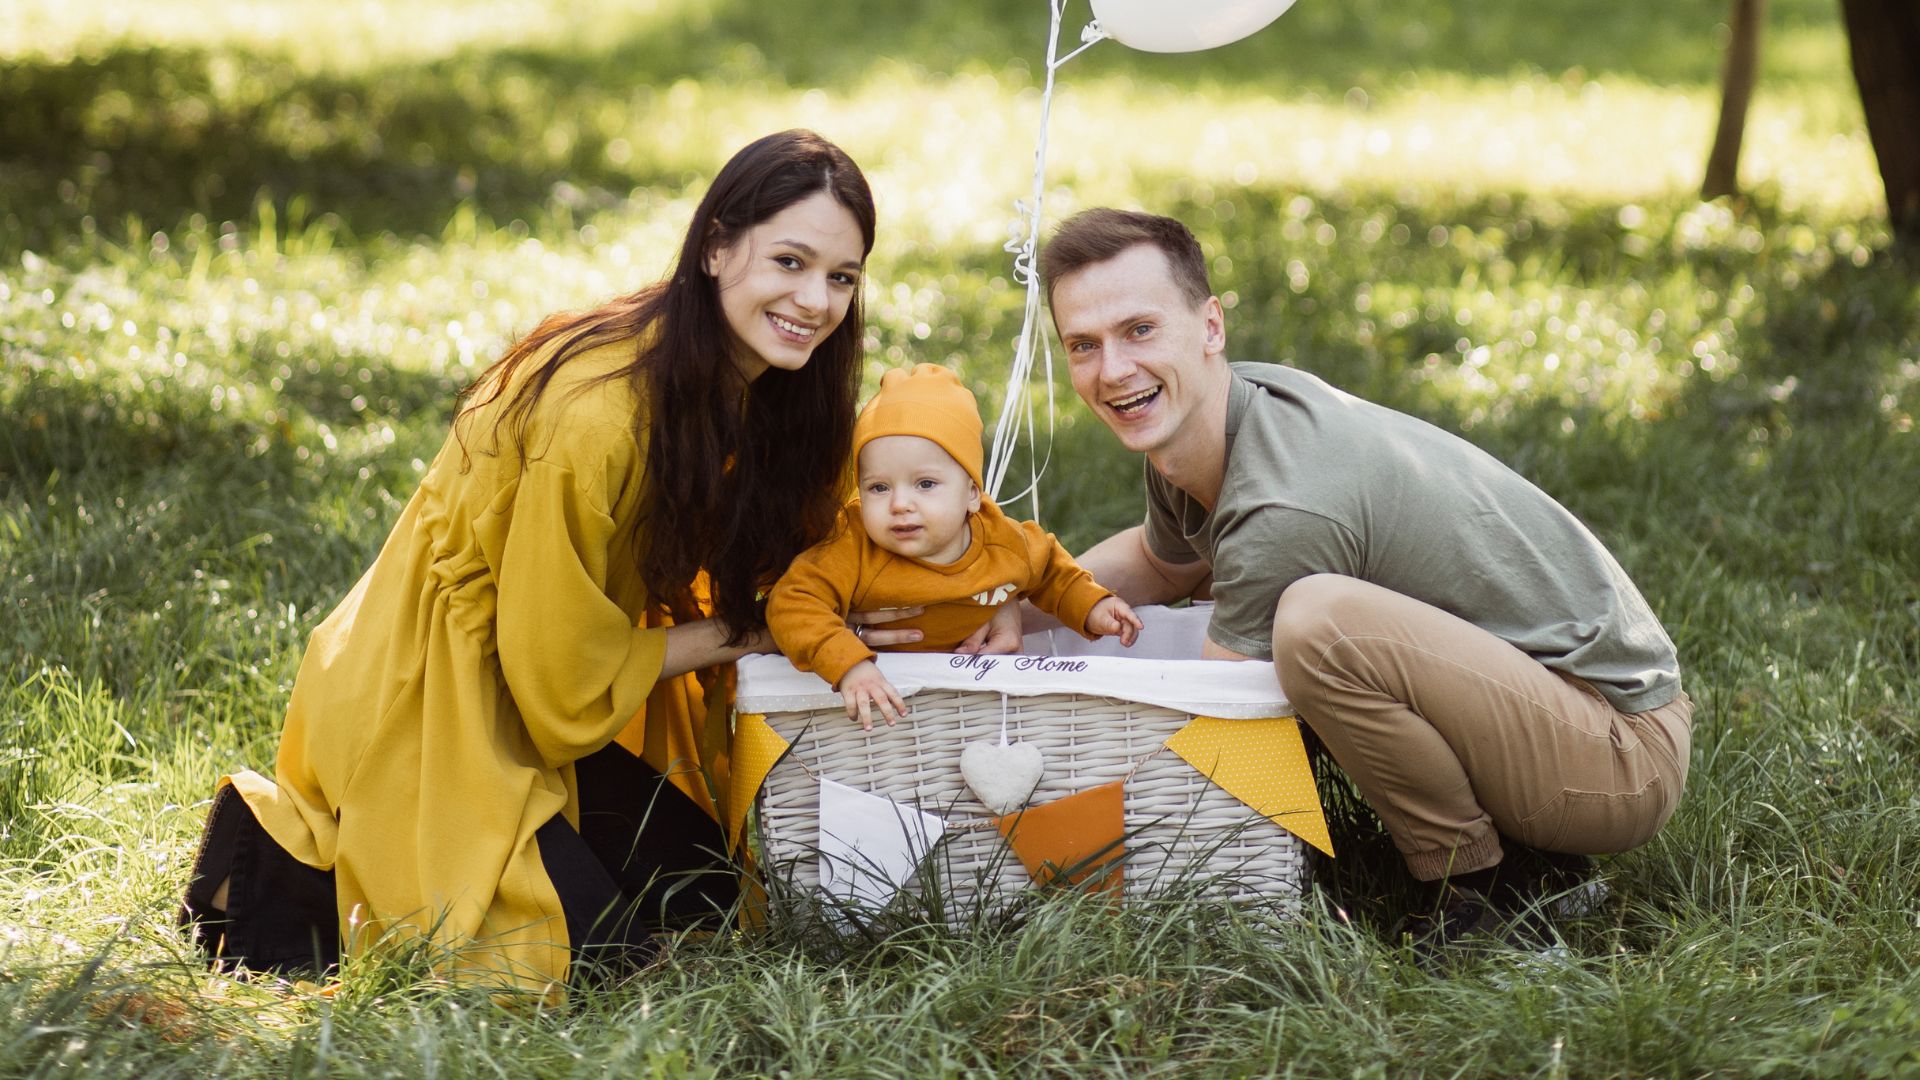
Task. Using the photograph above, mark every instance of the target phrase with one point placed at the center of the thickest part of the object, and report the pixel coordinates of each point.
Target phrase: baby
(920, 534)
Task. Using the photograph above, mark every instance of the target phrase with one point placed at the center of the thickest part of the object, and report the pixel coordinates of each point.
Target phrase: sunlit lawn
(248, 251)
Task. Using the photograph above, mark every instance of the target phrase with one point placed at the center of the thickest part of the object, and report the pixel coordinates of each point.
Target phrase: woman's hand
(862, 623)
(703, 643)
(1000, 634)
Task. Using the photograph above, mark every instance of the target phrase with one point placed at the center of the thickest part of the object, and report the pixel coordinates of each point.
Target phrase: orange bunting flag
(1075, 837)
(756, 748)
(1263, 763)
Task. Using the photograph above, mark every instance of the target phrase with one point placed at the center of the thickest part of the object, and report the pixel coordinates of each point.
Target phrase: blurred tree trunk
(1736, 89)
(1884, 36)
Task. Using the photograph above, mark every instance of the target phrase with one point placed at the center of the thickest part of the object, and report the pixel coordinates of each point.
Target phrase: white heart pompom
(1002, 775)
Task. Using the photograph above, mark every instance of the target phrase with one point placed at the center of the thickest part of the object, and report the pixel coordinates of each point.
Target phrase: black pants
(645, 858)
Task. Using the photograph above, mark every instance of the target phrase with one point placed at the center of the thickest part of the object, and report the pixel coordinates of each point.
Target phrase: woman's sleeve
(575, 663)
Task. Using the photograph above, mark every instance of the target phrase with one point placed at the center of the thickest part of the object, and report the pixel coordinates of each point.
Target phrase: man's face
(1141, 354)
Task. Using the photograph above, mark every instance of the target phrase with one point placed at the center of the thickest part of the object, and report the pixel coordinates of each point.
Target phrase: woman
(497, 743)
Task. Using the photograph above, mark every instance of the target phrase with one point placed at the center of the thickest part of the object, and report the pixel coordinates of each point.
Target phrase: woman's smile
(799, 333)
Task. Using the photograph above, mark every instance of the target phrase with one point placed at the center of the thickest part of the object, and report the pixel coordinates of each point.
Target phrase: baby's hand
(863, 687)
(1112, 616)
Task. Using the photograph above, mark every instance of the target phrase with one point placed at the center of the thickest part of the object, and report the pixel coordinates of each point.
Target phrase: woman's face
(785, 284)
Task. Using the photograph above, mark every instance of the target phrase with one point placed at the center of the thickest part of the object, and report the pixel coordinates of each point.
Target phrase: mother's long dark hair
(736, 487)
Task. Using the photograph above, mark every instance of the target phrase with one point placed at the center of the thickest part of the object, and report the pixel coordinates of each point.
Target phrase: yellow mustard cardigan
(502, 634)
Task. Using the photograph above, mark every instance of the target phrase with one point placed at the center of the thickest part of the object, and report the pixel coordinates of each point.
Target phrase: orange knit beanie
(929, 401)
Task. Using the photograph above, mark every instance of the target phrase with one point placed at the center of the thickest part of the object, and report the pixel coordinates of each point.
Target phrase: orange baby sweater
(1006, 560)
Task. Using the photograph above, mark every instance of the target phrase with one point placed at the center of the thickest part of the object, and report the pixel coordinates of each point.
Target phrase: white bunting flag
(869, 845)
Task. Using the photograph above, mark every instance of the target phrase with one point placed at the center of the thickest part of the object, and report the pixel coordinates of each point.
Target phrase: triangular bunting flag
(1078, 835)
(756, 749)
(1262, 763)
(870, 846)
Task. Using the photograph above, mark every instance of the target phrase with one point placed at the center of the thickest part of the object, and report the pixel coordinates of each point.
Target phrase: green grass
(248, 252)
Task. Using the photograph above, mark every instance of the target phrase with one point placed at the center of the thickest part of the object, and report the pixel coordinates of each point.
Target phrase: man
(1471, 655)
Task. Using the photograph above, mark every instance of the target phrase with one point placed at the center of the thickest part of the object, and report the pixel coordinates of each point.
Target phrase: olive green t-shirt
(1321, 482)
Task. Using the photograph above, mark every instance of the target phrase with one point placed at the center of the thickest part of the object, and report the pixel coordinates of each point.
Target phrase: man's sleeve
(1165, 539)
(1257, 556)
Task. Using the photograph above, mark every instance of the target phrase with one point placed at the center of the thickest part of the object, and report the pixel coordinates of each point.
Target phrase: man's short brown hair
(1094, 236)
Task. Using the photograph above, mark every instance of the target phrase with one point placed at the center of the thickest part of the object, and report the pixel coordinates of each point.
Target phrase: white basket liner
(1177, 820)
(1055, 662)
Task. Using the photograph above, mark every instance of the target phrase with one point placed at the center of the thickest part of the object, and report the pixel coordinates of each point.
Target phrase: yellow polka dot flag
(1262, 763)
(756, 747)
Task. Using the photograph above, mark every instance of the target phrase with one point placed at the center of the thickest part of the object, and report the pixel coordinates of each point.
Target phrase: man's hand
(1112, 617)
(1124, 564)
(1210, 651)
(863, 687)
(1000, 634)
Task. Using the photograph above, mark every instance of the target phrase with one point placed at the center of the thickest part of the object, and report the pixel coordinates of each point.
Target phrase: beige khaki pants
(1454, 736)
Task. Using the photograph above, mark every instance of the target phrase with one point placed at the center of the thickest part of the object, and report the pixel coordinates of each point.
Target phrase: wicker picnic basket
(1096, 712)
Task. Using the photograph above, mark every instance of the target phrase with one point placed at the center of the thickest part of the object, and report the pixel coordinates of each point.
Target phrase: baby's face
(914, 498)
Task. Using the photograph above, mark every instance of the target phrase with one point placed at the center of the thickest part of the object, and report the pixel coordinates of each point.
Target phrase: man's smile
(1134, 402)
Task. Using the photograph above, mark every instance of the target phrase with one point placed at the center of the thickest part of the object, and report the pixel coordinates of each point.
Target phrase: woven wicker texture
(1179, 824)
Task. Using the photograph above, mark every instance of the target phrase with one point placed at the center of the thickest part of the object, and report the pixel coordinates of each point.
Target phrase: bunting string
(1017, 406)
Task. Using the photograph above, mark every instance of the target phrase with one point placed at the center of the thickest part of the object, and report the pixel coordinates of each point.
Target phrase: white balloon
(1171, 26)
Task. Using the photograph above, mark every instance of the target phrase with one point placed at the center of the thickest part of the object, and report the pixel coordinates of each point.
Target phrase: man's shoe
(1548, 884)
(1462, 922)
